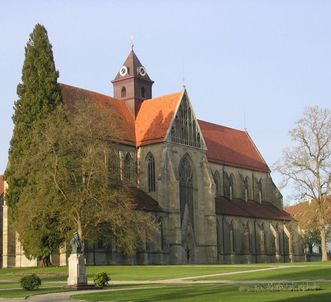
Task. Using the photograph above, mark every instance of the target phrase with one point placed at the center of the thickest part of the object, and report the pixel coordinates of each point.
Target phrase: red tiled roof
(231, 147)
(2, 185)
(144, 201)
(121, 115)
(252, 209)
(306, 210)
(154, 117)
(224, 145)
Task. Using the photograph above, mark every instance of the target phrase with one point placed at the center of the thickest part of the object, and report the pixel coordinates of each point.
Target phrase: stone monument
(77, 274)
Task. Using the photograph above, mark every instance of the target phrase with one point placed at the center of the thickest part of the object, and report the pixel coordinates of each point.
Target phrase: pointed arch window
(128, 172)
(186, 130)
(228, 185)
(186, 189)
(113, 167)
(217, 181)
(246, 188)
(161, 228)
(123, 92)
(150, 172)
(260, 190)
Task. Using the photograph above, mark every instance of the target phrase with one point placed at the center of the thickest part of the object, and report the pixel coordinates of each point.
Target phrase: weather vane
(132, 44)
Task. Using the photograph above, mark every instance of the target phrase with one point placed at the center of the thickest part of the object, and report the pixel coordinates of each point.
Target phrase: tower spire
(132, 83)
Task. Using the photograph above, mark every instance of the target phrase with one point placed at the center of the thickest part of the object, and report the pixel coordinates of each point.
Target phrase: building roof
(2, 185)
(231, 147)
(121, 114)
(144, 201)
(251, 209)
(154, 117)
(307, 210)
(225, 145)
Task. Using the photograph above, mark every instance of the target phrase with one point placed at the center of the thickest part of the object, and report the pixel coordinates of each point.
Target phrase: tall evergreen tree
(38, 95)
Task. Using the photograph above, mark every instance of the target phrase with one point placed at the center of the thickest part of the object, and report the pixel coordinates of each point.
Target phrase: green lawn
(54, 278)
(210, 293)
(126, 273)
(300, 273)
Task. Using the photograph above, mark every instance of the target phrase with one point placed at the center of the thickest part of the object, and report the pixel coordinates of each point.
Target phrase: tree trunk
(323, 245)
(47, 261)
(80, 233)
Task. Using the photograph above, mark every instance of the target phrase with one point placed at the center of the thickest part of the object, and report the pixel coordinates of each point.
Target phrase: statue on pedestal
(76, 244)
(76, 262)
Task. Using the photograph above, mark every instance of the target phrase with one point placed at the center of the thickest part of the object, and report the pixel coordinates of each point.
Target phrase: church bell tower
(132, 83)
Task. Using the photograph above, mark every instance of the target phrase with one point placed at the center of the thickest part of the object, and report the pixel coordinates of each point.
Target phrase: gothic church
(207, 185)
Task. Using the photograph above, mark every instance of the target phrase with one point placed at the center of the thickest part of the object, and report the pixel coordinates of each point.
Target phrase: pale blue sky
(259, 61)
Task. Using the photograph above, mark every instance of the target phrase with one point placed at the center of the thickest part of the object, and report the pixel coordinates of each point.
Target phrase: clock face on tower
(142, 71)
(123, 71)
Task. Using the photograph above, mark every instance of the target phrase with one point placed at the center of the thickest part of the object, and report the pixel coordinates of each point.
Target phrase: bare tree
(308, 164)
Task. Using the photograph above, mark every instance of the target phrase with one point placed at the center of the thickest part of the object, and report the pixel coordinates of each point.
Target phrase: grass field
(54, 278)
(210, 293)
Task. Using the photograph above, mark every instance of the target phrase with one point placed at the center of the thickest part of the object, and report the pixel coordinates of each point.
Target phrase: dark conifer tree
(38, 95)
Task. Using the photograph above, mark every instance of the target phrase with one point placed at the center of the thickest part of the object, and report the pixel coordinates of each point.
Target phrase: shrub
(30, 282)
(101, 279)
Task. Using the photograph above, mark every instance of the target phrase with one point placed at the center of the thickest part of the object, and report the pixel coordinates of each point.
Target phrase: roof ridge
(89, 91)
(257, 150)
(164, 95)
(219, 125)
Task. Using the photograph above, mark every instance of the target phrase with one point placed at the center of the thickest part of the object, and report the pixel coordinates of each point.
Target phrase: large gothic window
(128, 172)
(185, 130)
(150, 172)
(186, 188)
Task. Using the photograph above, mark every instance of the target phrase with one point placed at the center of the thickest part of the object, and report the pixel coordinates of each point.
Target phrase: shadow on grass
(313, 273)
(285, 274)
(185, 294)
(321, 297)
(192, 293)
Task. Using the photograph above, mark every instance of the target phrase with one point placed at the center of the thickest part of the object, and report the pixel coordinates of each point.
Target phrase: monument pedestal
(77, 274)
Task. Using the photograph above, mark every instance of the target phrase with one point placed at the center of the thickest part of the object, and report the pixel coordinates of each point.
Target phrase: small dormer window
(142, 92)
(123, 92)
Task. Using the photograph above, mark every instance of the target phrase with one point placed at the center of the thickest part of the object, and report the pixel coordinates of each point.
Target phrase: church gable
(184, 128)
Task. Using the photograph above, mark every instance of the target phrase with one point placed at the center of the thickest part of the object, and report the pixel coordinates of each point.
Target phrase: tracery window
(128, 173)
(185, 130)
(150, 172)
(186, 188)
